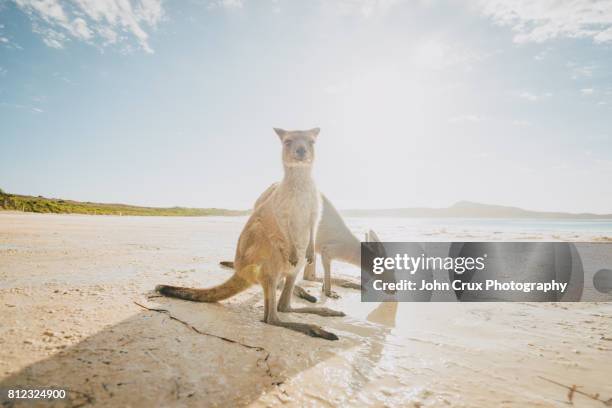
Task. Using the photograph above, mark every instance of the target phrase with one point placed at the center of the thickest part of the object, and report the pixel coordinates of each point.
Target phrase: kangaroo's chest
(297, 211)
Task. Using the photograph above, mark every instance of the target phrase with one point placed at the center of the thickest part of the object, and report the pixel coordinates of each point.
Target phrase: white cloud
(50, 10)
(531, 96)
(521, 123)
(587, 91)
(226, 4)
(541, 56)
(580, 70)
(21, 107)
(150, 11)
(108, 35)
(3, 71)
(101, 22)
(4, 40)
(54, 40)
(542, 20)
(81, 30)
(527, 95)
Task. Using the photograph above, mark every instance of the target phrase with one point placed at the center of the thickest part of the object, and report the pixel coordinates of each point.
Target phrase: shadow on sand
(193, 355)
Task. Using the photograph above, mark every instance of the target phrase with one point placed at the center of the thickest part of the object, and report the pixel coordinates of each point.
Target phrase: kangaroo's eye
(287, 143)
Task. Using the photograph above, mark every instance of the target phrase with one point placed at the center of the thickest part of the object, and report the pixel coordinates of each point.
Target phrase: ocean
(470, 229)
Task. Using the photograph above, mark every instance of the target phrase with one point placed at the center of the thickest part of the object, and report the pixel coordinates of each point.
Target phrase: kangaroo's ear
(281, 133)
(314, 132)
(373, 236)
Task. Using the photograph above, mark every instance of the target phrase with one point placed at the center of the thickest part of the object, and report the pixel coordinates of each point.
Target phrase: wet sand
(74, 293)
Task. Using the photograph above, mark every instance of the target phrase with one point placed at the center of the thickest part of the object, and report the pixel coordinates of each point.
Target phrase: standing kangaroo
(276, 241)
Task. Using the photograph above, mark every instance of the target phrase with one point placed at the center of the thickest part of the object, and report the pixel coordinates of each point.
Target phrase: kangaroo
(276, 241)
(334, 241)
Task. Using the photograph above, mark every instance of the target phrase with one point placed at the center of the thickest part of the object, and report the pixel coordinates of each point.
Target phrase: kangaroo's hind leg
(310, 271)
(271, 315)
(327, 280)
(284, 304)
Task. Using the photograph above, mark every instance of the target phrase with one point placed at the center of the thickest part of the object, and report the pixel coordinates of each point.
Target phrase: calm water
(408, 228)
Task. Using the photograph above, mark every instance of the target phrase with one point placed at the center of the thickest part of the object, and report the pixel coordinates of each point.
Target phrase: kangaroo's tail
(227, 289)
(227, 264)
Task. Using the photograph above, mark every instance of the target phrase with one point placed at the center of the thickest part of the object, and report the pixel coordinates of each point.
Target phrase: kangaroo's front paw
(293, 258)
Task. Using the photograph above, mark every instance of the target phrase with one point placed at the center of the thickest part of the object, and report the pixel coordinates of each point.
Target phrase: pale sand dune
(68, 319)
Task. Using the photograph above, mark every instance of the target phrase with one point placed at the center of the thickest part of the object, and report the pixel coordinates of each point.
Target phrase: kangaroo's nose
(300, 151)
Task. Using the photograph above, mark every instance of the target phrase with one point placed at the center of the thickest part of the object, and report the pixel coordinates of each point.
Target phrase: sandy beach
(77, 313)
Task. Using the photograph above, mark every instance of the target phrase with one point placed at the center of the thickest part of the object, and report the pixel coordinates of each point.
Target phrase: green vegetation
(51, 205)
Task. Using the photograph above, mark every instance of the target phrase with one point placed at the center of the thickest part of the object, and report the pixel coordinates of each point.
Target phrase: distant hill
(467, 209)
(53, 205)
(462, 209)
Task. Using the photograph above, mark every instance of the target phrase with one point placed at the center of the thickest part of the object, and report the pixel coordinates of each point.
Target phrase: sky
(420, 103)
